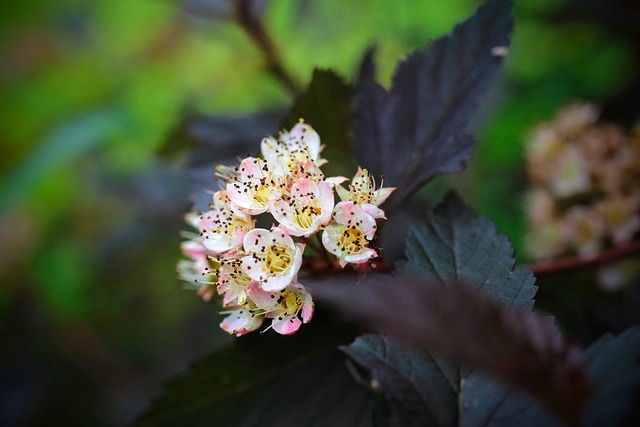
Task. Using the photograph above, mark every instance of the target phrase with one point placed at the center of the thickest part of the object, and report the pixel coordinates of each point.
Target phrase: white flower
(223, 227)
(200, 271)
(299, 144)
(362, 191)
(273, 258)
(584, 228)
(285, 307)
(570, 174)
(240, 321)
(307, 207)
(254, 186)
(232, 282)
(350, 233)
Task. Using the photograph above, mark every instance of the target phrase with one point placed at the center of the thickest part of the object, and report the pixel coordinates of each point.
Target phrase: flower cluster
(585, 180)
(256, 270)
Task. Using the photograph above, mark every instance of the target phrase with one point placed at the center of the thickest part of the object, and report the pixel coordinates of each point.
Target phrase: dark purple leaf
(215, 140)
(614, 363)
(420, 388)
(417, 130)
(268, 380)
(325, 106)
(455, 244)
(470, 327)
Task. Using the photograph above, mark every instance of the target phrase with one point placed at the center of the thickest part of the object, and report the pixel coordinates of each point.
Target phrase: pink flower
(362, 191)
(232, 282)
(223, 227)
(241, 321)
(301, 143)
(307, 207)
(199, 272)
(273, 260)
(350, 233)
(254, 186)
(285, 307)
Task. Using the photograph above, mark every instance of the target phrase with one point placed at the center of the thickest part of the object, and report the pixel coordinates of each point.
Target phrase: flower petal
(287, 326)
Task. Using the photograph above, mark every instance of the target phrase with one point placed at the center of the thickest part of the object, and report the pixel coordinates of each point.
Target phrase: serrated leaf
(424, 389)
(454, 244)
(421, 389)
(417, 130)
(462, 322)
(324, 105)
(510, 344)
(614, 362)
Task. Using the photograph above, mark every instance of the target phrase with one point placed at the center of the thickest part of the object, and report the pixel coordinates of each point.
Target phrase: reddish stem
(548, 268)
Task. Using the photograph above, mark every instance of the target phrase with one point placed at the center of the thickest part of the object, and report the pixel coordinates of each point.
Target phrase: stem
(316, 248)
(256, 31)
(548, 268)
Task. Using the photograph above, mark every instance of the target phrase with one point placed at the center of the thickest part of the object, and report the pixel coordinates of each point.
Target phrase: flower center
(291, 302)
(277, 259)
(352, 240)
(306, 216)
(261, 194)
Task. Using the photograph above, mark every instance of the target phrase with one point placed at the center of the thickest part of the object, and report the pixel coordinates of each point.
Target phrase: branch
(256, 31)
(565, 265)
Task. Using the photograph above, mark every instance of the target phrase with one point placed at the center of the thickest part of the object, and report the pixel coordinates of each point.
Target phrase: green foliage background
(91, 312)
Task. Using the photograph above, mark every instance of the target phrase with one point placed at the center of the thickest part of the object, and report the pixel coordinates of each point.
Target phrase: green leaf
(61, 146)
(417, 130)
(456, 245)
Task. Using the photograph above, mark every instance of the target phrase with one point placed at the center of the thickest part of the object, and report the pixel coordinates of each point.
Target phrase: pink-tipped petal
(259, 296)
(307, 309)
(382, 194)
(286, 326)
(373, 211)
(361, 257)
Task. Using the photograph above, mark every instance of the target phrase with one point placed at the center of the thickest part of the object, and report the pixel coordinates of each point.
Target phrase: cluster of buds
(585, 178)
(256, 270)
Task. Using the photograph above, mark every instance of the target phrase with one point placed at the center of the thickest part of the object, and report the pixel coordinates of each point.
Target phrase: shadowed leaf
(212, 139)
(420, 388)
(461, 322)
(267, 380)
(215, 140)
(614, 362)
(416, 130)
(324, 105)
(455, 244)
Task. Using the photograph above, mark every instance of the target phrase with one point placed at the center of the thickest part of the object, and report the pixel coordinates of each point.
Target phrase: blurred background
(93, 184)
